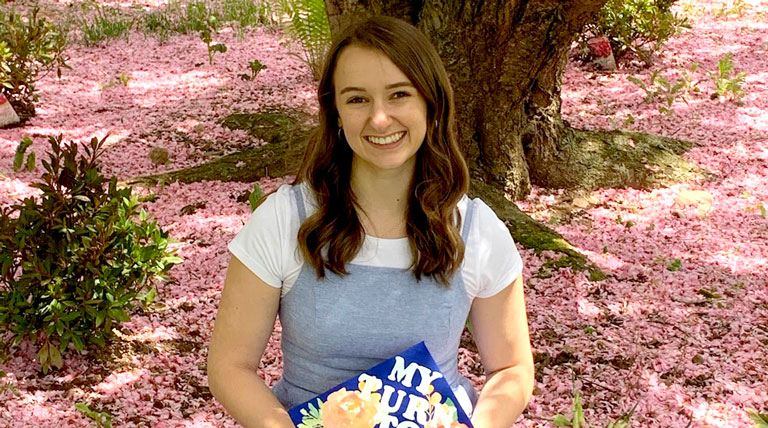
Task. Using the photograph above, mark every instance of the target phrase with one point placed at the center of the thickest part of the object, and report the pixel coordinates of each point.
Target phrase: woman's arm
(500, 330)
(244, 323)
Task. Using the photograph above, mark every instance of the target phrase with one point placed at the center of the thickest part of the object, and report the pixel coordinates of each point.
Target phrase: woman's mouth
(386, 142)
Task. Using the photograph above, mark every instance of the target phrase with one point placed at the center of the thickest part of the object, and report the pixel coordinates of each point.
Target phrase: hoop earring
(340, 136)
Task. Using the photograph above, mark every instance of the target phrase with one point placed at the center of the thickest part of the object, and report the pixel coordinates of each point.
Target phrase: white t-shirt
(268, 246)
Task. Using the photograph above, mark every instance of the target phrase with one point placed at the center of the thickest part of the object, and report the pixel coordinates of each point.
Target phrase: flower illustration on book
(347, 409)
(350, 409)
(441, 414)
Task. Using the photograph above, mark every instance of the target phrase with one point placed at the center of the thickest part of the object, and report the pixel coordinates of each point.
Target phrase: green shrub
(177, 18)
(107, 23)
(242, 14)
(74, 261)
(31, 47)
(164, 21)
(640, 27)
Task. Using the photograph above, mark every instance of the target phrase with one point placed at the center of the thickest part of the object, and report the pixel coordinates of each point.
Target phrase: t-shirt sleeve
(497, 261)
(259, 244)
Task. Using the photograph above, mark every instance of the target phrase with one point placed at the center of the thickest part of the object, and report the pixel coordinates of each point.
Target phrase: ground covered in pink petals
(689, 346)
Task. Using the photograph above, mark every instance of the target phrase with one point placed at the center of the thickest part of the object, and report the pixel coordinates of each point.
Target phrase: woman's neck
(383, 196)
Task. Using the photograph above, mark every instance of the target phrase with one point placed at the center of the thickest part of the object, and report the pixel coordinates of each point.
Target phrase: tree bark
(506, 61)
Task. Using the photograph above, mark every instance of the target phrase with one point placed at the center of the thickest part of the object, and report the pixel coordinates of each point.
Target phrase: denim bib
(337, 327)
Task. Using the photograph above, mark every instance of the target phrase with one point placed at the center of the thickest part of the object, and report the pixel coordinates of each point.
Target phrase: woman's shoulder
(284, 200)
(483, 216)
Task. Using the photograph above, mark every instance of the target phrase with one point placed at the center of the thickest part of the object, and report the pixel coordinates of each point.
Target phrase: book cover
(405, 391)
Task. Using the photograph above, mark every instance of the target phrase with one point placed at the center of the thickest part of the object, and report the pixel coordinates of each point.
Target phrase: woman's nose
(380, 116)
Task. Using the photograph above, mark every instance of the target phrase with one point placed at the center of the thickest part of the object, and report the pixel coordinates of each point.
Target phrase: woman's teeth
(388, 140)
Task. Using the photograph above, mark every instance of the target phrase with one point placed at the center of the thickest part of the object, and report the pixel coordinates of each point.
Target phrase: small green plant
(725, 82)
(731, 7)
(665, 92)
(123, 78)
(31, 47)
(102, 419)
(242, 14)
(178, 18)
(640, 27)
(5, 69)
(578, 420)
(18, 157)
(255, 196)
(164, 21)
(106, 23)
(675, 265)
(760, 419)
(255, 67)
(75, 259)
(577, 415)
(710, 293)
(206, 34)
(198, 16)
(308, 23)
(5, 386)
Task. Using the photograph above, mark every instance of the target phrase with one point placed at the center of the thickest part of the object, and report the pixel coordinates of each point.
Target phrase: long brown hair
(440, 179)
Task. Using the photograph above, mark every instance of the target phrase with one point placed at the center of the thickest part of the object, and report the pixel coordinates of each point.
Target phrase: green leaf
(100, 318)
(30, 161)
(637, 82)
(760, 419)
(78, 342)
(43, 355)
(172, 260)
(255, 196)
(561, 421)
(56, 360)
(675, 265)
(119, 314)
(578, 412)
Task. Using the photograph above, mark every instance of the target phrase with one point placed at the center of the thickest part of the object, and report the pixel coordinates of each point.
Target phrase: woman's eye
(401, 94)
(355, 100)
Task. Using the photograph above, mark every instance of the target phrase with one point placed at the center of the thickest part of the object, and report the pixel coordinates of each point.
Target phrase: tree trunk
(506, 61)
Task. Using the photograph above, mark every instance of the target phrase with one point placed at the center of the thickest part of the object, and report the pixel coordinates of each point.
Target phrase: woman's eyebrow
(390, 86)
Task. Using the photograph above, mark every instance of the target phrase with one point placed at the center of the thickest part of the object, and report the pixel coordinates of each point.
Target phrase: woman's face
(383, 116)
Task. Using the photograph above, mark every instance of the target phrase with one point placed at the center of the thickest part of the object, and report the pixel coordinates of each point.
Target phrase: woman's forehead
(367, 69)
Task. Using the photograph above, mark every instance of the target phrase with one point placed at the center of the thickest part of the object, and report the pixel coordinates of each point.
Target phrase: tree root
(589, 160)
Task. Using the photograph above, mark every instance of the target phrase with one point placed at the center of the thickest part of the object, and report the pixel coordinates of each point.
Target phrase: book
(405, 391)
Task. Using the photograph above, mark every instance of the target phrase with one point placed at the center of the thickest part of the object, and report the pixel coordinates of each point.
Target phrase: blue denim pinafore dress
(338, 327)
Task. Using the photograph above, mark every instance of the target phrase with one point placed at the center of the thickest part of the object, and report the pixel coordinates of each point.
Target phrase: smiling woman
(381, 114)
(374, 248)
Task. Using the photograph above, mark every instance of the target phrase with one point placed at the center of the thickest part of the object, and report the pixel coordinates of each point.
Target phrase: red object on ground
(600, 46)
(7, 115)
